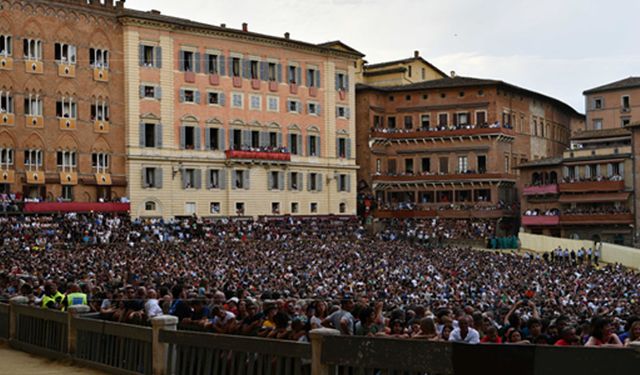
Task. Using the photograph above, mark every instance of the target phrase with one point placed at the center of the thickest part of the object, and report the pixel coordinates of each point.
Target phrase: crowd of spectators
(281, 279)
(597, 210)
(437, 128)
(575, 179)
(245, 147)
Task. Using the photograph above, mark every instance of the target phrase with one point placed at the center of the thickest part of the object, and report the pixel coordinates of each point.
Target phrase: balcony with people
(442, 131)
(542, 183)
(591, 178)
(279, 154)
(538, 217)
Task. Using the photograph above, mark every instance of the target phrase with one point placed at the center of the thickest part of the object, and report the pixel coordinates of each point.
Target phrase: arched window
(150, 206)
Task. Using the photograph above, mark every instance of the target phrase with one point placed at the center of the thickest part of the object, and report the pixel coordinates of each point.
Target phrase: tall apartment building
(450, 147)
(61, 100)
(588, 193)
(225, 122)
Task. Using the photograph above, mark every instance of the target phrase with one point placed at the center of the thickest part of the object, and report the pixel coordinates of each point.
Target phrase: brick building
(588, 193)
(62, 100)
(225, 122)
(450, 147)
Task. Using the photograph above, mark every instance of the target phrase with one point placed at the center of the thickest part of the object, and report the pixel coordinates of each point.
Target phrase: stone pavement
(19, 363)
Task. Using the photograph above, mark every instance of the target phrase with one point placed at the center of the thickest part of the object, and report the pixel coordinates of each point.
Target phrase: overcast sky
(556, 47)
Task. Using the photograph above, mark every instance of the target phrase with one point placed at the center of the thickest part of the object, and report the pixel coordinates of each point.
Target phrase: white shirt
(473, 337)
(152, 308)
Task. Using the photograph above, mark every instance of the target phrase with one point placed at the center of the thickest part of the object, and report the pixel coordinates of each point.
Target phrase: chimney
(453, 74)
(155, 11)
(223, 25)
(245, 27)
(287, 35)
(416, 54)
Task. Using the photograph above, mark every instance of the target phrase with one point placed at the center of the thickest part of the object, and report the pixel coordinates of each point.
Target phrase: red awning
(47, 207)
(593, 197)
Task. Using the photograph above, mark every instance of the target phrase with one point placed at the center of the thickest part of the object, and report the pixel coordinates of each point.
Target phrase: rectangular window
(150, 56)
(598, 103)
(236, 71)
(214, 179)
(426, 165)
(342, 112)
(256, 102)
(149, 135)
(408, 166)
(408, 122)
(240, 208)
(313, 181)
(6, 45)
(444, 165)
(275, 208)
(6, 157)
(597, 124)
(214, 98)
(66, 160)
(33, 105)
(254, 71)
(343, 183)
(214, 138)
(425, 121)
(100, 162)
(212, 64)
(273, 104)
(67, 193)
(237, 101)
(152, 178)
(463, 164)
(239, 179)
(377, 122)
(292, 74)
(6, 102)
(443, 119)
(313, 207)
(341, 82)
(313, 108)
(33, 158)
(313, 145)
(188, 61)
(294, 139)
(273, 140)
(189, 179)
(294, 207)
(274, 180)
(626, 102)
(311, 78)
(481, 118)
(190, 96)
(66, 108)
(463, 119)
(482, 164)
(214, 208)
(391, 122)
(391, 166)
(98, 58)
(237, 139)
(149, 91)
(625, 121)
(189, 137)
(255, 139)
(100, 111)
(342, 148)
(65, 53)
(272, 72)
(32, 49)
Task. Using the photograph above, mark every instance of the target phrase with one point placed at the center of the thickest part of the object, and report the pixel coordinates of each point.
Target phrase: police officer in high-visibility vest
(49, 300)
(74, 297)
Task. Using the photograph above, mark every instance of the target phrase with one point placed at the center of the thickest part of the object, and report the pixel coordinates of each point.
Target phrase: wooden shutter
(158, 178)
(142, 135)
(197, 58)
(346, 82)
(185, 181)
(264, 70)
(247, 179)
(182, 96)
(196, 95)
(348, 142)
(309, 77)
(279, 136)
(318, 78)
(198, 179)
(309, 176)
(157, 92)
(337, 82)
(298, 76)
(281, 180)
(319, 182)
(141, 91)
(234, 175)
(348, 183)
(158, 135)
(290, 179)
(207, 138)
(246, 68)
(182, 138)
(318, 152)
(299, 140)
(221, 65)
(158, 53)
(140, 53)
(269, 180)
(208, 172)
(144, 178)
(196, 137)
(221, 139)
(308, 145)
(222, 179)
(181, 60)
(279, 72)
(221, 99)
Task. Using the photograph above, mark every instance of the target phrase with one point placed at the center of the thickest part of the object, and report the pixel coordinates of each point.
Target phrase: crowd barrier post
(13, 315)
(159, 350)
(317, 339)
(72, 332)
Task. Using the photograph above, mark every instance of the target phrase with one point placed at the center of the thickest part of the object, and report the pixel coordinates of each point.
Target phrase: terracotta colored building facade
(450, 147)
(588, 193)
(62, 100)
(225, 122)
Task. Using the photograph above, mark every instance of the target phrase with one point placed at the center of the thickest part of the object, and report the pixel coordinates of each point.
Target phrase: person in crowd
(602, 333)
(464, 333)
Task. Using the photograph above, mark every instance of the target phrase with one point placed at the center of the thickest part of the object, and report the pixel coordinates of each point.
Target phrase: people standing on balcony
(602, 333)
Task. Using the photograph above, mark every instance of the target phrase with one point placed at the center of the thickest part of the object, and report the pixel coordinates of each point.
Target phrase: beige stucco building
(225, 122)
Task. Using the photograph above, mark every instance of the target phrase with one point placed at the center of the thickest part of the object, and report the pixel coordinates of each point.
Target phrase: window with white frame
(341, 81)
(313, 108)
(293, 106)
(273, 104)
(149, 206)
(6, 45)
(463, 164)
(6, 102)
(214, 179)
(187, 61)
(6, 157)
(292, 74)
(272, 72)
(67, 107)
(190, 96)
(256, 102)
(236, 69)
(150, 56)
(33, 158)
(237, 100)
(32, 49)
(98, 58)
(214, 98)
(100, 110)
(65, 53)
(342, 111)
(212, 65)
(312, 77)
(33, 105)
(100, 162)
(425, 121)
(67, 193)
(66, 160)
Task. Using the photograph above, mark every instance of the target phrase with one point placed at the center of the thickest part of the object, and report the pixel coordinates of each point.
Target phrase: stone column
(160, 351)
(13, 315)
(317, 339)
(72, 333)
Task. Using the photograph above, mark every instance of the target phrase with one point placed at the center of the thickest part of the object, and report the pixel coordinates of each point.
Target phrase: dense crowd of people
(441, 127)
(282, 278)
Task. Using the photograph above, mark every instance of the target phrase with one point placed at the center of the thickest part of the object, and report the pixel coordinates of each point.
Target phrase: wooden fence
(162, 350)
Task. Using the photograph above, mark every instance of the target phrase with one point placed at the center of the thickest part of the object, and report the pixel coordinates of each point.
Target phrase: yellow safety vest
(74, 299)
(46, 299)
